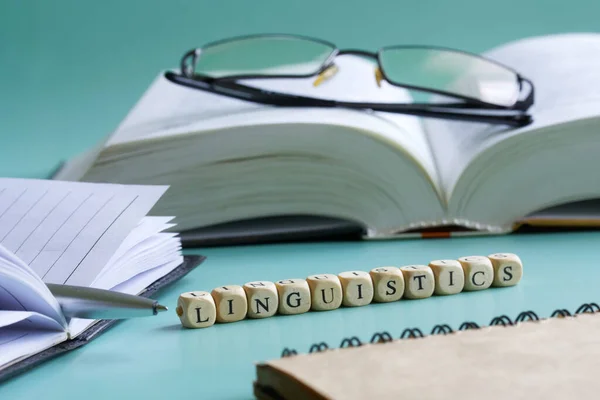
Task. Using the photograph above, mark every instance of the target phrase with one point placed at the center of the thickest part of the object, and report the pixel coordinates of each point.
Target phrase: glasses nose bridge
(357, 52)
(361, 53)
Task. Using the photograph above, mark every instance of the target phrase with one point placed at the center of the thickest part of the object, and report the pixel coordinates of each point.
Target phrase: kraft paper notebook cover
(537, 359)
(84, 234)
(228, 160)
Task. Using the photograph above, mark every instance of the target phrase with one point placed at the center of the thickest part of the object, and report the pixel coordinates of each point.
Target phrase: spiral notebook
(525, 358)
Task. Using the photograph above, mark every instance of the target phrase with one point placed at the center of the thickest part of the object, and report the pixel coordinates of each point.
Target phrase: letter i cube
(357, 287)
(449, 276)
(231, 303)
(196, 309)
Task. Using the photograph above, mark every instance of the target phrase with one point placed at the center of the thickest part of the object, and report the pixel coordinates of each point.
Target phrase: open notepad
(82, 234)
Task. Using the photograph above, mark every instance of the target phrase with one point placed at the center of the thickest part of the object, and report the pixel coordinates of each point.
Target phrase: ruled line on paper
(42, 221)
(13, 203)
(14, 297)
(77, 234)
(24, 215)
(14, 338)
(69, 230)
(97, 240)
(60, 227)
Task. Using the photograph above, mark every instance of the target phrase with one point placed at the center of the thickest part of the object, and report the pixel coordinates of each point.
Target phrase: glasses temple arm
(528, 101)
(185, 62)
(446, 111)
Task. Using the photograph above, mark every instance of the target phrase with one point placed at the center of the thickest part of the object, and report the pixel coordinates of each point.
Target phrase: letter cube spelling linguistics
(449, 276)
(508, 269)
(294, 296)
(231, 303)
(419, 281)
(479, 273)
(263, 300)
(325, 292)
(196, 309)
(388, 284)
(357, 288)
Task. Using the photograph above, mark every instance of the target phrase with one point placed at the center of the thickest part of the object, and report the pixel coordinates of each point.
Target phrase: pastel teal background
(71, 70)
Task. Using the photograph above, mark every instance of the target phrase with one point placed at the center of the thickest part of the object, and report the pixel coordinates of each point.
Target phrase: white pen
(92, 303)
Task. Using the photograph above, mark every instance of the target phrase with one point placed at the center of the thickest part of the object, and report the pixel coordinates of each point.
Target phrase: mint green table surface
(70, 71)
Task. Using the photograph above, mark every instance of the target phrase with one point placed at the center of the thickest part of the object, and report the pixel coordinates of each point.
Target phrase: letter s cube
(388, 284)
(508, 269)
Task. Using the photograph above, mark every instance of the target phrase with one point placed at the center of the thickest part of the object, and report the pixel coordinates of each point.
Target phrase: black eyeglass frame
(470, 109)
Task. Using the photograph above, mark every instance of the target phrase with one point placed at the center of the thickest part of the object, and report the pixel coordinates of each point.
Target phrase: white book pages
(565, 71)
(67, 231)
(145, 248)
(71, 233)
(168, 109)
(135, 285)
(23, 334)
(31, 318)
(21, 290)
(148, 227)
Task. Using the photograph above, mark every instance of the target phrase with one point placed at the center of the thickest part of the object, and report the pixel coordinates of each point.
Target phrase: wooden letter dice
(419, 281)
(508, 269)
(325, 292)
(479, 273)
(263, 300)
(357, 288)
(196, 309)
(294, 296)
(449, 276)
(231, 303)
(388, 284)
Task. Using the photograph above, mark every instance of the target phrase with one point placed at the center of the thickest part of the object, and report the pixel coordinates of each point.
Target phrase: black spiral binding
(444, 329)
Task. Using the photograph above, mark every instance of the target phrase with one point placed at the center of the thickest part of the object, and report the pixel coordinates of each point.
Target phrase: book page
(23, 334)
(145, 256)
(21, 290)
(565, 72)
(169, 109)
(67, 231)
(133, 285)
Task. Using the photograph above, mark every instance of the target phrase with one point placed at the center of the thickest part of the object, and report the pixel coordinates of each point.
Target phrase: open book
(83, 234)
(229, 160)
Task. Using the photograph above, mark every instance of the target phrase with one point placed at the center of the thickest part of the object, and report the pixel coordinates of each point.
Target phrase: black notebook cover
(189, 263)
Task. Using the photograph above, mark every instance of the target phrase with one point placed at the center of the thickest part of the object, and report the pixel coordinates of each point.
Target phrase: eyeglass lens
(276, 55)
(450, 71)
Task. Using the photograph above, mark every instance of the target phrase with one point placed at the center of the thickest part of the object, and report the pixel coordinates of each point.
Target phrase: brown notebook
(555, 358)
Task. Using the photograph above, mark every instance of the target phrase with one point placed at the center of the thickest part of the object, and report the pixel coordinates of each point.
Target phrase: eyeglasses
(472, 88)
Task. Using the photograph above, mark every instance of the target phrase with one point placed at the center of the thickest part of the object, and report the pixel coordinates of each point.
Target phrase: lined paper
(67, 231)
(18, 340)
